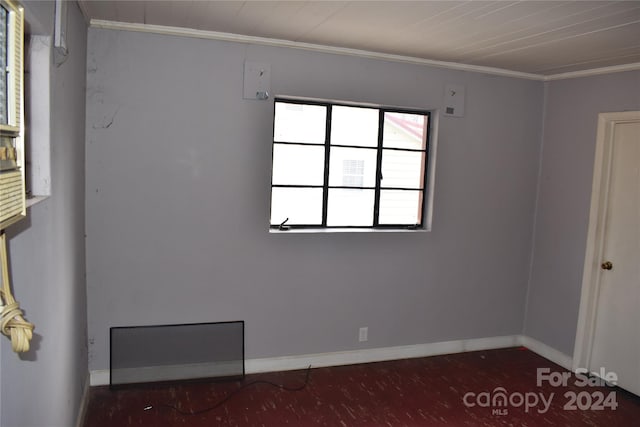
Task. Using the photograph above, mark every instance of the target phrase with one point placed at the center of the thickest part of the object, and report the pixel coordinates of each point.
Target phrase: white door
(616, 327)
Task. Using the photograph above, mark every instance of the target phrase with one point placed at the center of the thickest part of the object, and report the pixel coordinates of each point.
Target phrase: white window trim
(39, 61)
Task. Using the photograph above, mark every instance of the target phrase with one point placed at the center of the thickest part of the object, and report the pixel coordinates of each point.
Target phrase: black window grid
(380, 148)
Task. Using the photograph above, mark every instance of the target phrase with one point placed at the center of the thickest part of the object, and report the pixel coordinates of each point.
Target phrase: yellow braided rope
(12, 324)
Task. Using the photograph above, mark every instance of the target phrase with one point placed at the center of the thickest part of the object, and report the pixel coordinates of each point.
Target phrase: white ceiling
(536, 37)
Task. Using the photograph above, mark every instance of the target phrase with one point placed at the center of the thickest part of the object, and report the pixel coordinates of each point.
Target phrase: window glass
(352, 167)
(299, 123)
(402, 169)
(300, 205)
(298, 164)
(354, 126)
(350, 208)
(400, 207)
(4, 63)
(404, 130)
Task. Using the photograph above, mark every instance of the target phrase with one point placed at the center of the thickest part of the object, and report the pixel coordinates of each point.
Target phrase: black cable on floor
(233, 393)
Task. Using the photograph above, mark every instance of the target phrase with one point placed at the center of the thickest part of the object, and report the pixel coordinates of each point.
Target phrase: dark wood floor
(453, 390)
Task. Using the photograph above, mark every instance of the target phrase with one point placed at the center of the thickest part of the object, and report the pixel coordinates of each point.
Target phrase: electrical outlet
(363, 335)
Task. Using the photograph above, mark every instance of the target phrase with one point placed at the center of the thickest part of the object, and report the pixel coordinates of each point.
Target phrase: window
(12, 205)
(10, 68)
(4, 63)
(348, 166)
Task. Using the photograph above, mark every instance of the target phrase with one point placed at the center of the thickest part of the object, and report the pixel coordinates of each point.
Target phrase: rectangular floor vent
(167, 353)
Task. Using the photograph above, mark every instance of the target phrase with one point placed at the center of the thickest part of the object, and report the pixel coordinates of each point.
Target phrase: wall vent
(168, 353)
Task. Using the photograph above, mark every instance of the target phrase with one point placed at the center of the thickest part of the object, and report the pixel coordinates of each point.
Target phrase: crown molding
(594, 72)
(239, 38)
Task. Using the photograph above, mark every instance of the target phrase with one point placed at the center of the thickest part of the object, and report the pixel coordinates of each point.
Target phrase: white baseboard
(547, 352)
(176, 372)
(84, 402)
(288, 363)
(99, 377)
(319, 360)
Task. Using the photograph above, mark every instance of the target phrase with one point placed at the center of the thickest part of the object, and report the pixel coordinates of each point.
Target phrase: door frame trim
(596, 234)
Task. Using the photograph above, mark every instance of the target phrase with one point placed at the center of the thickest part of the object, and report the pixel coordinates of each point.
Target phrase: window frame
(15, 78)
(379, 148)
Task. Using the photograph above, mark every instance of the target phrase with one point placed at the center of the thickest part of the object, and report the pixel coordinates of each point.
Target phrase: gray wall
(48, 260)
(571, 115)
(178, 173)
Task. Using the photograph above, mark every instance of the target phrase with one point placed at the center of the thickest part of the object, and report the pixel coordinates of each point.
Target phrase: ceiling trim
(240, 38)
(594, 71)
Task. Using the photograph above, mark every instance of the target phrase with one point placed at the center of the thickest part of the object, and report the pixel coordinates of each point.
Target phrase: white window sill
(346, 230)
(35, 200)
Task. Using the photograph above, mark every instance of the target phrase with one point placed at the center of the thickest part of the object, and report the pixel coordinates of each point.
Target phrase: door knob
(607, 265)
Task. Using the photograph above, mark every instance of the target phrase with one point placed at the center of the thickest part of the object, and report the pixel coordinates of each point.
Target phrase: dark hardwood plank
(426, 391)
